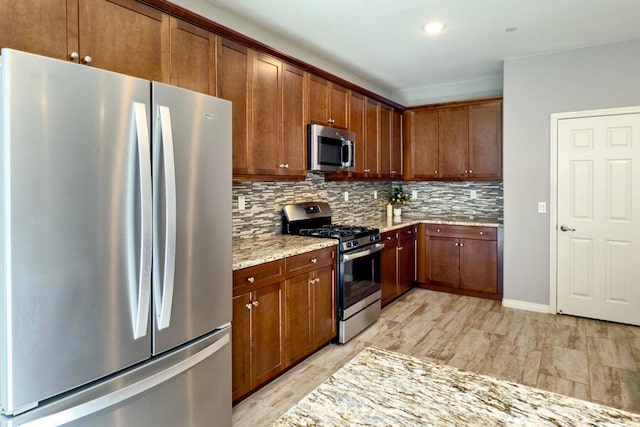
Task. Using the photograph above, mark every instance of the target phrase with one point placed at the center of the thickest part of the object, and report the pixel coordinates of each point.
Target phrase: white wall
(534, 87)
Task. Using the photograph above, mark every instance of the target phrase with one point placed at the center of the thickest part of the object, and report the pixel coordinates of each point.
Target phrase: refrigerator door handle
(143, 291)
(163, 286)
(111, 399)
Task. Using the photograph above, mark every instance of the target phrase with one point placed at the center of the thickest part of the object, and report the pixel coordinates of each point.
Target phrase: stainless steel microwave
(330, 150)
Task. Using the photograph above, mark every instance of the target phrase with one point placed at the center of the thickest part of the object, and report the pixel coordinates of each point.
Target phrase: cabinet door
(339, 106)
(192, 57)
(48, 28)
(453, 141)
(324, 305)
(371, 141)
(485, 140)
(294, 122)
(125, 36)
(406, 264)
(233, 80)
(356, 125)
(241, 346)
(266, 333)
(388, 267)
(421, 136)
(443, 261)
(297, 314)
(318, 91)
(265, 134)
(386, 117)
(479, 265)
(396, 144)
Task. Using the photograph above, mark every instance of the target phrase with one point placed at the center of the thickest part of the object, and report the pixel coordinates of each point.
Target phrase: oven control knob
(349, 244)
(355, 243)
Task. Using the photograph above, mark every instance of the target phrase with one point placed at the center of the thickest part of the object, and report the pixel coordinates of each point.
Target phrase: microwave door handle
(349, 145)
(376, 248)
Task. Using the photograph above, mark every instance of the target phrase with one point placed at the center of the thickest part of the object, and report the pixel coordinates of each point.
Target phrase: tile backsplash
(264, 201)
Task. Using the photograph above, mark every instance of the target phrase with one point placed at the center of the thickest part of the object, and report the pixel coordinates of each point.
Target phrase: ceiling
(382, 40)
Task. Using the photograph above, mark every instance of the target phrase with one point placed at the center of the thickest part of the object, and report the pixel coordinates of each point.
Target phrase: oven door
(360, 278)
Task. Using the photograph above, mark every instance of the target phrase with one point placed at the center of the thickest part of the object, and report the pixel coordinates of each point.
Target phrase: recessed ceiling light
(511, 29)
(433, 28)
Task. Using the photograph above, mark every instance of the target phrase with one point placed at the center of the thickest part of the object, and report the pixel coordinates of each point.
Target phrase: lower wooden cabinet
(461, 259)
(282, 311)
(398, 262)
(310, 312)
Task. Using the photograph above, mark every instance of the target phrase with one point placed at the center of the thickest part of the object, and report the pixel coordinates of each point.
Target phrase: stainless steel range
(358, 267)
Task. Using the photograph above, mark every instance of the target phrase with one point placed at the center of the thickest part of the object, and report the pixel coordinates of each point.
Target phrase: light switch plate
(542, 207)
(375, 194)
(346, 196)
(414, 194)
(241, 203)
(473, 194)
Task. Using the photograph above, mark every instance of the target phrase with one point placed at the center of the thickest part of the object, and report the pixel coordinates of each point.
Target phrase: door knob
(565, 228)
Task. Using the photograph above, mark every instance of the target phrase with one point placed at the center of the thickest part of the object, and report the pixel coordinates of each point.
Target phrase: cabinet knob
(251, 279)
(74, 55)
(456, 243)
(286, 165)
(248, 306)
(388, 237)
(331, 121)
(470, 170)
(466, 171)
(281, 165)
(87, 59)
(400, 248)
(482, 233)
(393, 172)
(437, 230)
(409, 231)
(435, 172)
(461, 244)
(314, 260)
(256, 303)
(317, 280)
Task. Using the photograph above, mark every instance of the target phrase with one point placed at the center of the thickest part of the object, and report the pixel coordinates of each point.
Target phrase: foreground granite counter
(383, 388)
(250, 252)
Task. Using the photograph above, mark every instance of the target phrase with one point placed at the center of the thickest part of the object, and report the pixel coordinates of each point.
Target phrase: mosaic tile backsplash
(264, 201)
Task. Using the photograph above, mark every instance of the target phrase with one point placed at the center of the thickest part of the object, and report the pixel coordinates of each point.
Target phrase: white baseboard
(524, 305)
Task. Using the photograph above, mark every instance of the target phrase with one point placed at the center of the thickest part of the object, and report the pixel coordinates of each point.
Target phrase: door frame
(553, 190)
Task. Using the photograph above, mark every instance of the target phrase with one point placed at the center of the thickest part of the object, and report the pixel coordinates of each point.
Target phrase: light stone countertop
(384, 388)
(250, 252)
(255, 251)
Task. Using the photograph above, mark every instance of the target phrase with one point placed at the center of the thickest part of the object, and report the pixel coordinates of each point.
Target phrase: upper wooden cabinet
(233, 79)
(124, 36)
(269, 138)
(328, 102)
(462, 141)
(371, 166)
(397, 169)
(356, 125)
(48, 28)
(193, 54)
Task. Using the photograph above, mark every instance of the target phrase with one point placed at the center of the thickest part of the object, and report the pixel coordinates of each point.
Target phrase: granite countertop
(250, 252)
(383, 388)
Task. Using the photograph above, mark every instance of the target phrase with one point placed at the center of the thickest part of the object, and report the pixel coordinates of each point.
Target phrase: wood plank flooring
(588, 359)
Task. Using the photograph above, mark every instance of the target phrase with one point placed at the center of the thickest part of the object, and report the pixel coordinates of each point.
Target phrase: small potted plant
(397, 198)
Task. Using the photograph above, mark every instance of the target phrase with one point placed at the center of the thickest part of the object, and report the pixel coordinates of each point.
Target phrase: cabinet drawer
(309, 261)
(250, 278)
(462, 231)
(408, 232)
(389, 236)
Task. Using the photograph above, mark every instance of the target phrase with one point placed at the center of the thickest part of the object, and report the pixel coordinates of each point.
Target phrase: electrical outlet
(241, 203)
(346, 196)
(474, 194)
(375, 194)
(542, 207)
(414, 194)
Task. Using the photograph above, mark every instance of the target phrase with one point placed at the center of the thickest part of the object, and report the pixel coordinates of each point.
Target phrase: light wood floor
(583, 358)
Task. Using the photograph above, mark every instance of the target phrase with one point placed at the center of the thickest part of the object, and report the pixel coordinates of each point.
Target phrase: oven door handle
(355, 255)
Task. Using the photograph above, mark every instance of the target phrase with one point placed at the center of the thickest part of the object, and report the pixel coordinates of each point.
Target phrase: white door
(598, 217)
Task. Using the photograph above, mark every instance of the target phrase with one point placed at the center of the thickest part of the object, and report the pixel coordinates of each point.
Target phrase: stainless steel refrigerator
(115, 256)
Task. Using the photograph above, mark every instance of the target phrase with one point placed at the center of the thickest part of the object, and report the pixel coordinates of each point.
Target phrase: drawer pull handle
(251, 279)
(256, 303)
(314, 260)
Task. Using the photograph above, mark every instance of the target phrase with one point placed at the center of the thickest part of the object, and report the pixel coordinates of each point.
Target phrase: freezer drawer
(190, 387)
